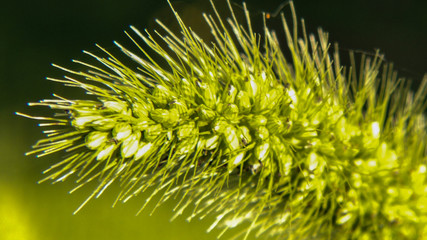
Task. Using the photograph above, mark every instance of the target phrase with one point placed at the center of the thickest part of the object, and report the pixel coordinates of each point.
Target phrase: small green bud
(231, 138)
(206, 113)
(162, 96)
(313, 161)
(168, 118)
(220, 125)
(116, 106)
(235, 160)
(212, 142)
(231, 94)
(122, 131)
(270, 99)
(309, 132)
(103, 124)
(208, 93)
(251, 86)
(262, 151)
(141, 109)
(106, 152)
(245, 135)
(84, 121)
(243, 101)
(257, 120)
(262, 133)
(180, 106)
(187, 130)
(130, 145)
(186, 88)
(143, 150)
(285, 163)
(174, 118)
(160, 115)
(277, 144)
(144, 124)
(186, 146)
(96, 139)
(275, 125)
(153, 131)
(231, 112)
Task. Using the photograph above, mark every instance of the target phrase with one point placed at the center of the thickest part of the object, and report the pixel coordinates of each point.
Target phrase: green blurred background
(37, 33)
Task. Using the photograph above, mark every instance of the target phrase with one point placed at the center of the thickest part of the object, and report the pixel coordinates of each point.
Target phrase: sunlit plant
(299, 147)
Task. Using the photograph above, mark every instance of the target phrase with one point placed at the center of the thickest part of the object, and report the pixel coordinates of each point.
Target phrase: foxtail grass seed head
(297, 148)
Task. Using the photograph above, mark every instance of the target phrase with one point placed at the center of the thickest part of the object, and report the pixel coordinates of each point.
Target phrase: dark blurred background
(35, 34)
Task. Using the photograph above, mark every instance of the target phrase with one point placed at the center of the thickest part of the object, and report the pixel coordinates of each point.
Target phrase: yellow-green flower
(300, 148)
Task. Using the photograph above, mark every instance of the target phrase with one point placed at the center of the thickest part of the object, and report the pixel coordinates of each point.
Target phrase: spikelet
(300, 148)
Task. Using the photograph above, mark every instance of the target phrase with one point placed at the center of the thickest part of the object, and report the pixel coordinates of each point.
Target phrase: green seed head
(294, 148)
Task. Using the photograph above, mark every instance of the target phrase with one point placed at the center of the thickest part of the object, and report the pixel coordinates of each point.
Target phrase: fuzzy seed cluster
(293, 148)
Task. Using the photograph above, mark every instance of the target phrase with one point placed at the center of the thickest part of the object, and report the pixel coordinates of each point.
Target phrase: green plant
(299, 147)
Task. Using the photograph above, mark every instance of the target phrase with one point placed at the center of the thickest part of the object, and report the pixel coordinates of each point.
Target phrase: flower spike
(296, 148)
